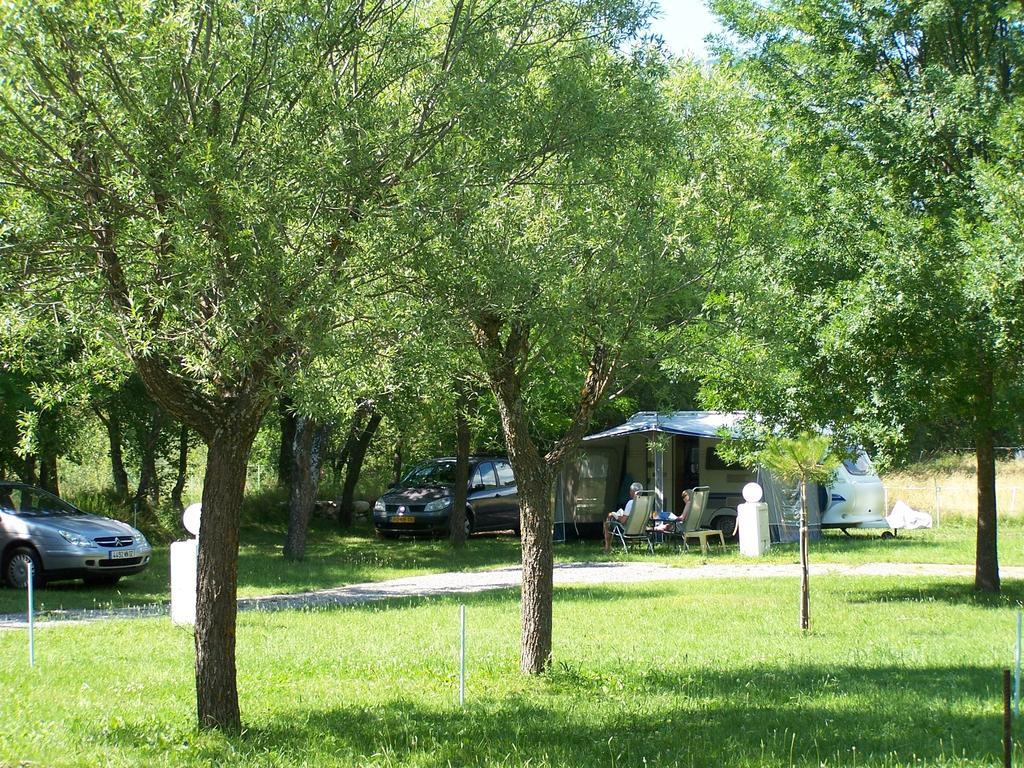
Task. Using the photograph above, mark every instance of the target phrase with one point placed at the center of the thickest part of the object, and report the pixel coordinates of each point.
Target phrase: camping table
(703, 534)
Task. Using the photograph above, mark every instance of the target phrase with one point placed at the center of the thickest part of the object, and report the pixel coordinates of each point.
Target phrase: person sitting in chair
(620, 516)
(666, 521)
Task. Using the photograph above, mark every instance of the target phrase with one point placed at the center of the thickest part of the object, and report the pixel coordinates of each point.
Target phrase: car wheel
(726, 525)
(468, 524)
(16, 568)
(101, 580)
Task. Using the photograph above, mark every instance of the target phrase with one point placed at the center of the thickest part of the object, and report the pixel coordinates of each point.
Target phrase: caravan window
(713, 461)
(860, 466)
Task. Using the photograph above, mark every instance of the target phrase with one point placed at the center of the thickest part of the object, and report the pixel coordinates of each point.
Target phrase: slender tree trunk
(116, 439)
(805, 588)
(285, 459)
(27, 471)
(48, 446)
(216, 607)
(149, 480)
(48, 473)
(182, 469)
(986, 569)
(457, 518)
(308, 448)
(355, 429)
(396, 463)
(355, 466)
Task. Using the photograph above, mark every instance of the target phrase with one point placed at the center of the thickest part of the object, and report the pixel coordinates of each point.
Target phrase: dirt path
(432, 585)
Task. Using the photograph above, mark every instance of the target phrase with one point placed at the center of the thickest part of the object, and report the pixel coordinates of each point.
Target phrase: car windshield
(33, 502)
(432, 473)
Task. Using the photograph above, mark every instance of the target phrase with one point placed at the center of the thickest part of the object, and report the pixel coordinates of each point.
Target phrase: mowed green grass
(336, 558)
(894, 672)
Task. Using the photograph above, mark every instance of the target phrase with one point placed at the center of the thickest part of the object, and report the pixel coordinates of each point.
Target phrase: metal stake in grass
(1016, 672)
(1007, 730)
(31, 618)
(462, 655)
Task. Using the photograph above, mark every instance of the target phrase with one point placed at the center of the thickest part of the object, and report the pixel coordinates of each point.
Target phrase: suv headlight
(73, 538)
(140, 540)
(438, 505)
(378, 507)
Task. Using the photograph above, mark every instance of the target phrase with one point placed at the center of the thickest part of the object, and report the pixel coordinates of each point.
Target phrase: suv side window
(505, 476)
(483, 475)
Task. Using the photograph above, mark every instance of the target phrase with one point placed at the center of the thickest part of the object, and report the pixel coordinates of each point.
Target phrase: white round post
(185, 569)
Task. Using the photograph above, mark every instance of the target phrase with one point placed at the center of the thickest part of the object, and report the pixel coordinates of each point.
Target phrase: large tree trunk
(986, 568)
(285, 459)
(355, 465)
(457, 518)
(307, 451)
(533, 479)
(534, 483)
(504, 359)
(216, 607)
(181, 469)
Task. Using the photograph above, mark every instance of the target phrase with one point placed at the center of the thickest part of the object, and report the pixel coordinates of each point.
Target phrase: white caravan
(670, 452)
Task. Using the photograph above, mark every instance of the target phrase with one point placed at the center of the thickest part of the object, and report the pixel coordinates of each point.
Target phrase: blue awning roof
(693, 423)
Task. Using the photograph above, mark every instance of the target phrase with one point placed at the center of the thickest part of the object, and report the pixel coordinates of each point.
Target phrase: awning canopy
(694, 423)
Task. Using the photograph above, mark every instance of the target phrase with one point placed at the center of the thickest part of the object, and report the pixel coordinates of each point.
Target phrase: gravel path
(480, 581)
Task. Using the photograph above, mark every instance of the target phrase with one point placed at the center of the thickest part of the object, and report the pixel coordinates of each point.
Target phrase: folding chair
(637, 526)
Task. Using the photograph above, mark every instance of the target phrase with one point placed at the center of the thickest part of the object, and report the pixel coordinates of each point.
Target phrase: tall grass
(946, 487)
(894, 673)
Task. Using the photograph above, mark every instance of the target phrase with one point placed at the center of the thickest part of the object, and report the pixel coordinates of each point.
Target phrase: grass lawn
(334, 559)
(895, 672)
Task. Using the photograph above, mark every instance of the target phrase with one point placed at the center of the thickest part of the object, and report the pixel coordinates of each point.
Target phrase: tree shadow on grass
(951, 592)
(802, 716)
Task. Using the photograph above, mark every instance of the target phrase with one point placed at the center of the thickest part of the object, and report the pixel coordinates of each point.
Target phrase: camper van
(669, 452)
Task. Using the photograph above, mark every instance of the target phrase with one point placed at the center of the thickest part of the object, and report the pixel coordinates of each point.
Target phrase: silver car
(62, 542)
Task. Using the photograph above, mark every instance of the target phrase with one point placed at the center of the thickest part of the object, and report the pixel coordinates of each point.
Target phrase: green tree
(879, 309)
(804, 459)
(205, 185)
(552, 248)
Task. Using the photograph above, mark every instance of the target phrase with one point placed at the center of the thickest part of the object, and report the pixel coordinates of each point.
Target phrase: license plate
(403, 519)
(122, 554)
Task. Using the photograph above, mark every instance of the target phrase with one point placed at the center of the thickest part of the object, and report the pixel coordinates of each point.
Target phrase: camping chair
(637, 525)
(688, 526)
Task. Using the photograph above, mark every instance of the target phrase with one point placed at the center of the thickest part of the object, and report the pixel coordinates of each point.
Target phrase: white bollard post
(31, 617)
(185, 569)
(462, 655)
